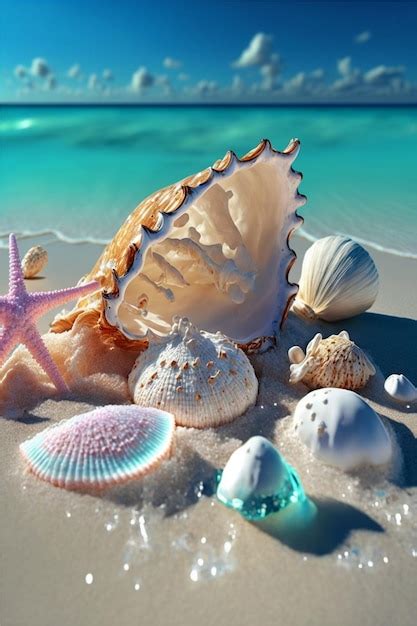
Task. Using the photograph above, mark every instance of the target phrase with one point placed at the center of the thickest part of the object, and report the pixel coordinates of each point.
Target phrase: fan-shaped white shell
(400, 388)
(341, 429)
(338, 280)
(203, 377)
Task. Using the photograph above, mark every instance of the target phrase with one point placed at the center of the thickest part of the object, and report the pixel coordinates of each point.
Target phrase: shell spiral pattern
(202, 378)
(101, 448)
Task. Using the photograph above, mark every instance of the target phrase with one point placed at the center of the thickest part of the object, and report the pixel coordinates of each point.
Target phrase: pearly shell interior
(222, 258)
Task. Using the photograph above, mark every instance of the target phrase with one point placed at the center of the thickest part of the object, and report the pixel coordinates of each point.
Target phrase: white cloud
(39, 67)
(107, 74)
(20, 71)
(164, 82)
(257, 53)
(351, 78)
(344, 66)
(363, 37)
(142, 79)
(74, 71)
(93, 82)
(206, 88)
(270, 72)
(182, 76)
(383, 75)
(238, 86)
(318, 73)
(172, 64)
(305, 83)
(50, 82)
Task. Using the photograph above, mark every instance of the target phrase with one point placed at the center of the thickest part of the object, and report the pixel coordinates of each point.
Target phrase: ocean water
(77, 172)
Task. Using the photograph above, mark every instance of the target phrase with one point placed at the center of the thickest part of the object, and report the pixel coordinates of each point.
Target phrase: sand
(164, 551)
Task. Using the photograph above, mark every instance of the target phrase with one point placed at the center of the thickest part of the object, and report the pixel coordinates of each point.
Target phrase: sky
(174, 51)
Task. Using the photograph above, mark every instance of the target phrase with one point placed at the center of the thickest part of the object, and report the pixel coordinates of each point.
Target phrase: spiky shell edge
(92, 311)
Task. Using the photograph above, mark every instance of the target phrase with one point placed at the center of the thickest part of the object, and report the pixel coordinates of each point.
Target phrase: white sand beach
(164, 551)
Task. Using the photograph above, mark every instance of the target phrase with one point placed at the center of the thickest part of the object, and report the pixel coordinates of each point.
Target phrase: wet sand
(164, 551)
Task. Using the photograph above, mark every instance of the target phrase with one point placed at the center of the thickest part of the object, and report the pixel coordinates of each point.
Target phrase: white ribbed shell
(34, 261)
(333, 362)
(338, 280)
(200, 377)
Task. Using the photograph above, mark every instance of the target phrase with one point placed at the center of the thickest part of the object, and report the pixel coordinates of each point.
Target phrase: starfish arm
(34, 343)
(8, 340)
(16, 280)
(45, 300)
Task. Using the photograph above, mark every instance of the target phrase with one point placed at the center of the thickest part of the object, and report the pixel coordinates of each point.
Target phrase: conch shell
(338, 280)
(333, 362)
(213, 248)
(202, 378)
(34, 261)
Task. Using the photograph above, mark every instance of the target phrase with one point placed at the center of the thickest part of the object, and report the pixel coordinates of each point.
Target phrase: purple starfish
(19, 311)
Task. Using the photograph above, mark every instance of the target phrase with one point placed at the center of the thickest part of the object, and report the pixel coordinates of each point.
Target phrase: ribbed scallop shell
(338, 280)
(333, 362)
(102, 448)
(213, 248)
(34, 261)
(202, 378)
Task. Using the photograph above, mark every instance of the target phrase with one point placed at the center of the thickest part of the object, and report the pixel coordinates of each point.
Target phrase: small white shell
(400, 388)
(258, 481)
(34, 261)
(254, 470)
(203, 378)
(338, 280)
(333, 362)
(341, 429)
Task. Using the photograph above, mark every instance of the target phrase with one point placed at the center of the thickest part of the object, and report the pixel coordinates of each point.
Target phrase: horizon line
(10, 104)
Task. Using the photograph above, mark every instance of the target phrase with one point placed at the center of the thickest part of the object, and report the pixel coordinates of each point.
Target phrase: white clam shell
(333, 362)
(202, 378)
(253, 470)
(341, 429)
(338, 280)
(400, 388)
(34, 261)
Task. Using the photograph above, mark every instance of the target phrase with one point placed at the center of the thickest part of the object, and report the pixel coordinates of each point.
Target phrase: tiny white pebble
(203, 540)
(126, 567)
(89, 579)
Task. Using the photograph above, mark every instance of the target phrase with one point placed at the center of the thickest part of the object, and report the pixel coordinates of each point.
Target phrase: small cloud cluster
(39, 74)
(172, 64)
(378, 80)
(74, 71)
(363, 37)
(40, 68)
(142, 79)
(259, 54)
(259, 64)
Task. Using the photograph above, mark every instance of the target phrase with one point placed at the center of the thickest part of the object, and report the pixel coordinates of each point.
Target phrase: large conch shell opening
(213, 248)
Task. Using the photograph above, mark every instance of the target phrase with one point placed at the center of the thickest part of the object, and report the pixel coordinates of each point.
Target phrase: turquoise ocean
(75, 173)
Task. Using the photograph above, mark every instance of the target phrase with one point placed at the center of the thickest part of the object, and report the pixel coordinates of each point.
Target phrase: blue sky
(214, 51)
